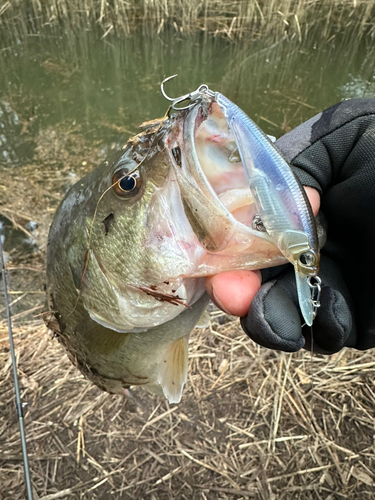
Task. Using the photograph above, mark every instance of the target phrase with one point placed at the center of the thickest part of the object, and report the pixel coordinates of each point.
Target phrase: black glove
(333, 152)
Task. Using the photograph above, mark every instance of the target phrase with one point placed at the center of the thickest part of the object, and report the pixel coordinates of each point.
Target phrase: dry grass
(252, 423)
(230, 18)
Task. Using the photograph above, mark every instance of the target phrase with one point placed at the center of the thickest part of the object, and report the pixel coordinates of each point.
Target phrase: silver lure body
(280, 200)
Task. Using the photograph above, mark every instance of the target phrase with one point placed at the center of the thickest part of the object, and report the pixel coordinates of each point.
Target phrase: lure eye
(126, 186)
(308, 263)
(307, 259)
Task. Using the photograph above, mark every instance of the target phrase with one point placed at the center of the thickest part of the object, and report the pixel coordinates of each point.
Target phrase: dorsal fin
(173, 368)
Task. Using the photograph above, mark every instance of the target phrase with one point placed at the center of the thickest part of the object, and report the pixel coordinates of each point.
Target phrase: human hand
(334, 152)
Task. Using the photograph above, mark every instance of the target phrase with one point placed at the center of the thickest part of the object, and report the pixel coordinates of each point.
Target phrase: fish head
(152, 221)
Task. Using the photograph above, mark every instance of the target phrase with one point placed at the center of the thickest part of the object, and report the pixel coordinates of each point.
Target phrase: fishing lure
(283, 209)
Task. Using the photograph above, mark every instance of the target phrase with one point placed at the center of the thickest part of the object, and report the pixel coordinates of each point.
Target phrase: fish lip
(209, 190)
(191, 121)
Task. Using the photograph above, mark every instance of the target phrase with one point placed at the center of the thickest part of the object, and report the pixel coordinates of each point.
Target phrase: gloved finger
(274, 318)
(332, 325)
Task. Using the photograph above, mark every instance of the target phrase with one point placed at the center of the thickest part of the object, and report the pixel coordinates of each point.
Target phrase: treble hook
(192, 97)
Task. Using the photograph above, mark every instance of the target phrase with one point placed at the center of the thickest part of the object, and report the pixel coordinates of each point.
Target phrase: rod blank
(15, 374)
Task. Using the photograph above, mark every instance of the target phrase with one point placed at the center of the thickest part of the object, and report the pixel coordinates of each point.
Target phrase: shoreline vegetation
(232, 19)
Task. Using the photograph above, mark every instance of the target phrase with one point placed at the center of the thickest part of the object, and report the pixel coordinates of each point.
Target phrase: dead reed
(231, 18)
(252, 424)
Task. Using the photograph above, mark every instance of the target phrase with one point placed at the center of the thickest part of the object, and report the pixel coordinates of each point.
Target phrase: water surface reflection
(106, 88)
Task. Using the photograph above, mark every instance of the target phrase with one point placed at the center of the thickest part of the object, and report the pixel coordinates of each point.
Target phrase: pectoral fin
(204, 320)
(173, 368)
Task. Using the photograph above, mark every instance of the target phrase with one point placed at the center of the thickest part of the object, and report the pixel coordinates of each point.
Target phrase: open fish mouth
(214, 162)
(216, 197)
(283, 206)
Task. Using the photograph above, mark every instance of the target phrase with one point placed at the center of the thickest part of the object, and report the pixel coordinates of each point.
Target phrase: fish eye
(126, 185)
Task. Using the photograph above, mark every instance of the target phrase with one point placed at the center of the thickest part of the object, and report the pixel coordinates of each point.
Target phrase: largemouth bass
(131, 244)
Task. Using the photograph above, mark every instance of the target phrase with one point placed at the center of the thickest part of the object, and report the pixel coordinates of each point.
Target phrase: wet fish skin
(114, 360)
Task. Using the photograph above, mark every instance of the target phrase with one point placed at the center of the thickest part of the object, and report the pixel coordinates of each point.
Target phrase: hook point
(162, 87)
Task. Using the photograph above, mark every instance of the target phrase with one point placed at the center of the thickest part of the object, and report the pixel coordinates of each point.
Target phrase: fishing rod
(15, 375)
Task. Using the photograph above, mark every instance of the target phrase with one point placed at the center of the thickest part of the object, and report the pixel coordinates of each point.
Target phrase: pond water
(107, 87)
